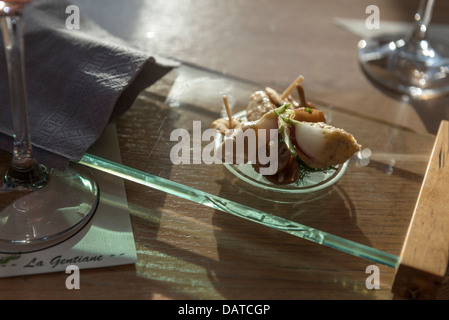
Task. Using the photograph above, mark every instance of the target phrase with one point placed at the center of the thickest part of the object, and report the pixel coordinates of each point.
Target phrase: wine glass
(414, 65)
(44, 206)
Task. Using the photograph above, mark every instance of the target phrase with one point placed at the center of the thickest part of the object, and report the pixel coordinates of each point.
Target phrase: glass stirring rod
(239, 210)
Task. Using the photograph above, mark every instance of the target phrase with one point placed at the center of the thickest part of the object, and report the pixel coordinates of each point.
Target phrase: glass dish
(314, 181)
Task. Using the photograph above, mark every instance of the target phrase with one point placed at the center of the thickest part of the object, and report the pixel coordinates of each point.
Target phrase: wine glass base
(29, 179)
(49, 215)
(419, 70)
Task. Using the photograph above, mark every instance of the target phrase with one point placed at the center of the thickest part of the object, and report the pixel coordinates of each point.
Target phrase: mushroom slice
(274, 96)
(259, 104)
(265, 130)
(222, 125)
(288, 175)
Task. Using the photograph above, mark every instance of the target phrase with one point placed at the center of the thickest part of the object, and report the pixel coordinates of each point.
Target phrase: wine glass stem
(24, 169)
(422, 19)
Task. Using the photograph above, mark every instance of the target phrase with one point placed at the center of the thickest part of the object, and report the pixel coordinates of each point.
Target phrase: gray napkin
(78, 80)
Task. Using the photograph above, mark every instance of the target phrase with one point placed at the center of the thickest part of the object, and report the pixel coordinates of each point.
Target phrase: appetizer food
(306, 143)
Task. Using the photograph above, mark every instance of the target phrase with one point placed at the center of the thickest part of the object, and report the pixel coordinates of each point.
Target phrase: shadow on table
(431, 111)
(281, 266)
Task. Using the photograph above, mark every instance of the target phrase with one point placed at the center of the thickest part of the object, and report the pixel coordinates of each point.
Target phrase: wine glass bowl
(415, 65)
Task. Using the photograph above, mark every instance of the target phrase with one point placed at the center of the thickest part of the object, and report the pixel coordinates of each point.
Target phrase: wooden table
(188, 251)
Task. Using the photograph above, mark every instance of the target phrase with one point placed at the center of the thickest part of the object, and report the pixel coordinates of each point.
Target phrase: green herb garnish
(305, 170)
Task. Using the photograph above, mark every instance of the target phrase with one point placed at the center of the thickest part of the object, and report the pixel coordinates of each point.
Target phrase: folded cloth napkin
(78, 80)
